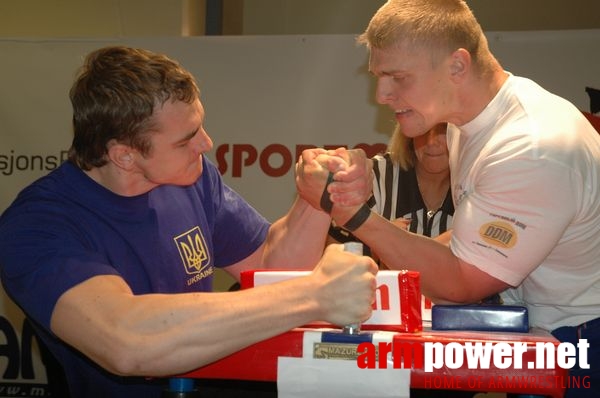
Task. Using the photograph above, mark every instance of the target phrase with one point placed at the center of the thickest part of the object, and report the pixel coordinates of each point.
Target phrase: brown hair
(114, 97)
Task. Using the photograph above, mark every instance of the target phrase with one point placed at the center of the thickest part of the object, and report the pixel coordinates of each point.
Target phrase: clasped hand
(352, 179)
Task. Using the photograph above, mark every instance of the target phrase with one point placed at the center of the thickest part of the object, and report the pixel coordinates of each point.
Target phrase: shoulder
(46, 190)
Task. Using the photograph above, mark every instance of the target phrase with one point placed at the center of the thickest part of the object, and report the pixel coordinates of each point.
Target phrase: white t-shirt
(525, 182)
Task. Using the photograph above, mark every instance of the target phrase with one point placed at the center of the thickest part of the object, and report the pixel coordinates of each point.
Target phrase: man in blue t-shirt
(111, 255)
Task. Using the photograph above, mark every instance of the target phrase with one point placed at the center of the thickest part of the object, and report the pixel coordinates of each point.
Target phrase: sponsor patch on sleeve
(498, 233)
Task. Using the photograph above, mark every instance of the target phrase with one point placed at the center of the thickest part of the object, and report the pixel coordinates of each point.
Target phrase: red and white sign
(397, 304)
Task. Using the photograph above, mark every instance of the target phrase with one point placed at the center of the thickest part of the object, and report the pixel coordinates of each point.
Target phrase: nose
(435, 137)
(202, 141)
(383, 92)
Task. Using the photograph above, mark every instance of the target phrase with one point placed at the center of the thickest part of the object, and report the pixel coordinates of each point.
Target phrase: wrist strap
(326, 203)
(358, 218)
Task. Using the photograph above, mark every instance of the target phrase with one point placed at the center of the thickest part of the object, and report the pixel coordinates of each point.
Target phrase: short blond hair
(443, 26)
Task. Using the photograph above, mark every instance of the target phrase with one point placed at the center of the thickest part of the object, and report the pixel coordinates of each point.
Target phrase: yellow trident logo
(192, 249)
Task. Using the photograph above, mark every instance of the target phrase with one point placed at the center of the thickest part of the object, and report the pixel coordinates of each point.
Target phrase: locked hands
(337, 181)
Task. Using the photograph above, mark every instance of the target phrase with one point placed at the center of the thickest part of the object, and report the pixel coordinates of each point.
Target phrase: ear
(121, 155)
(460, 63)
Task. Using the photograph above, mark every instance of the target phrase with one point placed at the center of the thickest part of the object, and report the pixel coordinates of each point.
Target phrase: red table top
(258, 362)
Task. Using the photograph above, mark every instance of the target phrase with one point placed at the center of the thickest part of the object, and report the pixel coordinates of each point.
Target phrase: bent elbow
(121, 361)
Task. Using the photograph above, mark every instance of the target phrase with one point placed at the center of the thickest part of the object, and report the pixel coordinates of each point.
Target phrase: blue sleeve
(42, 255)
(238, 229)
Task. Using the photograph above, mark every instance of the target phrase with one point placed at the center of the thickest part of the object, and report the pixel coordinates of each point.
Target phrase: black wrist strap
(326, 203)
(358, 218)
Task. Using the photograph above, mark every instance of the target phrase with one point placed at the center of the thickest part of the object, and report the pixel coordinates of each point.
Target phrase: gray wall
(135, 18)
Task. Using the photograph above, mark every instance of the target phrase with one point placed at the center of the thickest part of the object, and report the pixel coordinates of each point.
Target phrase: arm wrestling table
(258, 362)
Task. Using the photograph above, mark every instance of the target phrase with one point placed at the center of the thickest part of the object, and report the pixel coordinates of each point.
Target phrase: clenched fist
(347, 286)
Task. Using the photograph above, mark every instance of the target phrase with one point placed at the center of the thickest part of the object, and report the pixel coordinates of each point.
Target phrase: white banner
(265, 98)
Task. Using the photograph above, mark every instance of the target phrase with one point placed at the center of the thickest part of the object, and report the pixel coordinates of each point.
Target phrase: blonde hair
(401, 150)
(443, 26)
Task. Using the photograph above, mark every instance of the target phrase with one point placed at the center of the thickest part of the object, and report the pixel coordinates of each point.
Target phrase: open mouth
(402, 113)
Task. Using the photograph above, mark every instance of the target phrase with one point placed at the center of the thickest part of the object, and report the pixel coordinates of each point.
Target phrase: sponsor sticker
(335, 351)
(498, 233)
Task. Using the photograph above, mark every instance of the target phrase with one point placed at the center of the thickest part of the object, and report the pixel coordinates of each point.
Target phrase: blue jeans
(589, 378)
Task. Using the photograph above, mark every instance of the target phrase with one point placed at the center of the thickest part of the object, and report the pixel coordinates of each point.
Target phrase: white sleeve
(515, 214)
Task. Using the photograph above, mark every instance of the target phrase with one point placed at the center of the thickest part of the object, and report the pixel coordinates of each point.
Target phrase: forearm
(223, 323)
(399, 249)
(444, 277)
(166, 334)
(160, 335)
(298, 239)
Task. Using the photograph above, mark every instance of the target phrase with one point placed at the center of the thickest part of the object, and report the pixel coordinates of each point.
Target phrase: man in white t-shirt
(525, 169)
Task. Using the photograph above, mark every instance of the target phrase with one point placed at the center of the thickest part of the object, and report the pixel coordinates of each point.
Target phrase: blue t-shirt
(65, 228)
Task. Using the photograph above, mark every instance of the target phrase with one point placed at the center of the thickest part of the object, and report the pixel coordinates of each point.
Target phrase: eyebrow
(388, 72)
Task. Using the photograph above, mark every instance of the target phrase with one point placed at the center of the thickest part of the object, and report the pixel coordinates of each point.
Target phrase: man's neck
(476, 95)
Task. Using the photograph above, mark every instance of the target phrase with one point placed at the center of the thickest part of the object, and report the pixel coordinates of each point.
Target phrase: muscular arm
(165, 334)
(295, 241)
(298, 239)
(444, 277)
